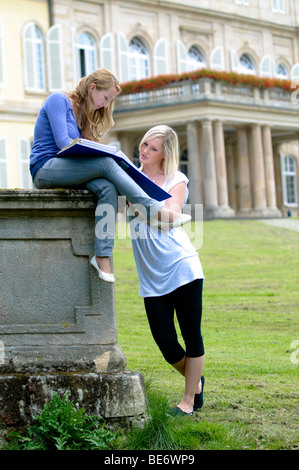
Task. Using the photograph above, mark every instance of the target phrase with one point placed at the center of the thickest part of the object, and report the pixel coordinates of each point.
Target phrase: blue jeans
(106, 179)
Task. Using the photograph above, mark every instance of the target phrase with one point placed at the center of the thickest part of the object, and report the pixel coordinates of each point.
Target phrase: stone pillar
(244, 201)
(57, 318)
(210, 183)
(221, 174)
(194, 163)
(269, 171)
(231, 180)
(258, 171)
(277, 174)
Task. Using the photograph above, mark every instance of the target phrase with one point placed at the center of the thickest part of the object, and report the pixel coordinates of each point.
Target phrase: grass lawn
(250, 329)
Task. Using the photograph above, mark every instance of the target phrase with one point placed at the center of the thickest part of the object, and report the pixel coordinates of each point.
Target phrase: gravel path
(288, 223)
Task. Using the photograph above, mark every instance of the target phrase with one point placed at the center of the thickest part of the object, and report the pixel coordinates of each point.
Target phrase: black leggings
(187, 301)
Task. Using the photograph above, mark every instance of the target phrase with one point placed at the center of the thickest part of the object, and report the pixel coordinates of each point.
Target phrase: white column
(221, 172)
(231, 176)
(277, 175)
(194, 174)
(208, 155)
(220, 164)
(269, 168)
(244, 196)
(258, 170)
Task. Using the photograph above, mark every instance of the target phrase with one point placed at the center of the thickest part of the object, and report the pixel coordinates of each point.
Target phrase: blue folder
(81, 147)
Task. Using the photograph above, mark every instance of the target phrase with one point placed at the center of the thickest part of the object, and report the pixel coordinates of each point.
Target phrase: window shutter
(235, 62)
(123, 57)
(2, 78)
(295, 72)
(3, 164)
(181, 57)
(24, 153)
(34, 65)
(54, 57)
(278, 6)
(282, 5)
(34, 62)
(76, 61)
(160, 57)
(266, 66)
(107, 51)
(217, 59)
(28, 57)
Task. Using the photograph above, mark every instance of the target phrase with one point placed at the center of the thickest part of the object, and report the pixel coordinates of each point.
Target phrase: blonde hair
(94, 123)
(170, 144)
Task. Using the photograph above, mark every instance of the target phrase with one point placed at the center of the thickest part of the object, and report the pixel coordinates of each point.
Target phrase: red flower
(160, 81)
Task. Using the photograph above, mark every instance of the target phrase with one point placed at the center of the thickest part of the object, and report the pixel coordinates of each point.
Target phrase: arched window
(281, 72)
(87, 54)
(34, 68)
(139, 61)
(246, 65)
(289, 180)
(195, 59)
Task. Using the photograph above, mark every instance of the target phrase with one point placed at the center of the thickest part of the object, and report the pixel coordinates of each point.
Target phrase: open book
(80, 147)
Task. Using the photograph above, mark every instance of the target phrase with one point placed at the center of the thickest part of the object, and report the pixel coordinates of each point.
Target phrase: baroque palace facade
(222, 73)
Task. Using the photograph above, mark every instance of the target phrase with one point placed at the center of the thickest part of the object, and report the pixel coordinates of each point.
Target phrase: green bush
(60, 426)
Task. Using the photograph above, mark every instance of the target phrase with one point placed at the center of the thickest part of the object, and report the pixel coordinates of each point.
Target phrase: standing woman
(87, 112)
(170, 272)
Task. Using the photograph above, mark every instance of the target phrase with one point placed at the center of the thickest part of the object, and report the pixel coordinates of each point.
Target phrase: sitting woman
(87, 112)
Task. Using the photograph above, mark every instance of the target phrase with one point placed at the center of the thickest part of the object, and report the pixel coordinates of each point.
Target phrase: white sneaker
(107, 277)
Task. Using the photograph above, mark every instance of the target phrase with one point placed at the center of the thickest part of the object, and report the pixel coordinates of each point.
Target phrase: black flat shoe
(198, 399)
(176, 411)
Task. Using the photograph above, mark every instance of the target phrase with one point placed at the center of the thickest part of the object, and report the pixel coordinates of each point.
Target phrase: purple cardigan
(55, 128)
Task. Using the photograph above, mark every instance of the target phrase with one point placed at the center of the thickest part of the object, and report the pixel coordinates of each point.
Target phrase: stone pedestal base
(218, 212)
(260, 212)
(267, 212)
(118, 397)
(58, 329)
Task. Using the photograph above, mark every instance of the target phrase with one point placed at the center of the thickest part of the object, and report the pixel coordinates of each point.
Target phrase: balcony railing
(202, 90)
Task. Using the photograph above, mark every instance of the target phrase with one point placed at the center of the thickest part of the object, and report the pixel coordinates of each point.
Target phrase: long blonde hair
(170, 143)
(94, 123)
